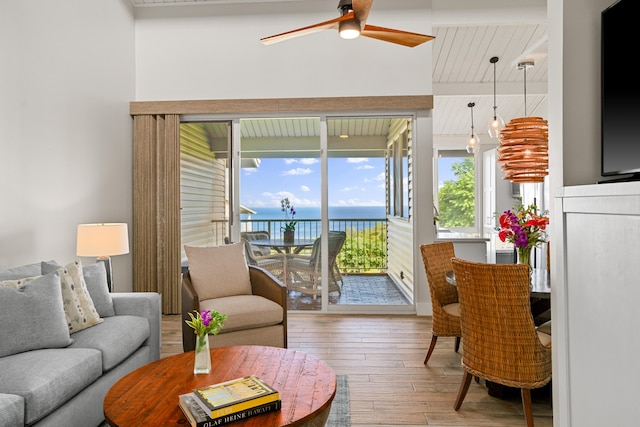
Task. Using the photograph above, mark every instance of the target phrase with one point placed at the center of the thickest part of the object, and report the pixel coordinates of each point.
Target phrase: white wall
(66, 80)
(594, 269)
(214, 52)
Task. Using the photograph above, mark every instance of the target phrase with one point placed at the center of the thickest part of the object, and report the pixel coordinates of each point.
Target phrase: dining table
(280, 246)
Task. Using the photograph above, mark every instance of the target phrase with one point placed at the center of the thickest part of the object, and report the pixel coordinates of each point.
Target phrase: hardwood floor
(388, 383)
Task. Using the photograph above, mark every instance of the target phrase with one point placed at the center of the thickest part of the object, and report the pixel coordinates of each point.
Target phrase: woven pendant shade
(524, 150)
(524, 144)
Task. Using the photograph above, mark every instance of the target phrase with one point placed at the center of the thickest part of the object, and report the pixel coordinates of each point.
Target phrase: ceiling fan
(351, 24)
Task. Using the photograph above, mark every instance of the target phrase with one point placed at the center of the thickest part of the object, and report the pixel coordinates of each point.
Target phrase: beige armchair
(255, 302)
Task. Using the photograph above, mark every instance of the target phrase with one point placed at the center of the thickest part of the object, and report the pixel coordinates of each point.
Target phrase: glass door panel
(204, 183)
(280, 190)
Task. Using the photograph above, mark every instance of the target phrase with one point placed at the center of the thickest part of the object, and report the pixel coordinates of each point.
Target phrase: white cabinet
(595, 296)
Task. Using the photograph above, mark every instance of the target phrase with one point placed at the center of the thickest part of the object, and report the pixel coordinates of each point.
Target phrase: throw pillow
(28, 270)
(78, 305)
(95, 277)
(219, 271)
(32, 315)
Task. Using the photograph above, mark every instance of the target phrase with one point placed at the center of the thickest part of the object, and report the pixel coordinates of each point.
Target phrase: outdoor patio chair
(272, 262)
(257, 235)
(305, 271)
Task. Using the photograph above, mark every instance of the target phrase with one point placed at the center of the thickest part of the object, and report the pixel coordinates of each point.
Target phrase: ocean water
(335, 212)
(340, 219)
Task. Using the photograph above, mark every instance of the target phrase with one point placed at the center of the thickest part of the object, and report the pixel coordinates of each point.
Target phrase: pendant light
(496, 124)
(473, 141)
(524, 144)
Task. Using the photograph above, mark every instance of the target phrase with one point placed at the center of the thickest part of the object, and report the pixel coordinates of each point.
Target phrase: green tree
(364, 251)
(457, 197)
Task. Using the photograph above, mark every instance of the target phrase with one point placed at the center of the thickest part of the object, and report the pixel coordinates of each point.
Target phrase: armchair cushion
(245, 311)
(219, 271)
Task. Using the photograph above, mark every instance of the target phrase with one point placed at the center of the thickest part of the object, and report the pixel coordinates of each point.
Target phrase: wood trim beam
(284, 105)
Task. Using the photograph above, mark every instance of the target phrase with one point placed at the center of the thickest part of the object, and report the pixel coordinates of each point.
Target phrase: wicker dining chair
(306, 270)
(444, 297)
(500, 342)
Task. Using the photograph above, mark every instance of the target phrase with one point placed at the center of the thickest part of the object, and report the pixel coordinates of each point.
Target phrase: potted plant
(289, 227)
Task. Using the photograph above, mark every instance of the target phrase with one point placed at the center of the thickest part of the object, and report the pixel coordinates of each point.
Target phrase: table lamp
(103, 241)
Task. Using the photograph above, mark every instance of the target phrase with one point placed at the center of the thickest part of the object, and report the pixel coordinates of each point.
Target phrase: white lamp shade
(102, 240)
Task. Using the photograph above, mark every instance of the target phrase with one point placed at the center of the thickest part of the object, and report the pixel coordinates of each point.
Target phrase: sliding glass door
(341, 184)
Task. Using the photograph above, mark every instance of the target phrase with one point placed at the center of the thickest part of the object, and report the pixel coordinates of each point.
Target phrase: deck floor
(356, 290)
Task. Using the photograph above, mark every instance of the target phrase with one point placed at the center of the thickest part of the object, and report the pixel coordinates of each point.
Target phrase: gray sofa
(52, 378)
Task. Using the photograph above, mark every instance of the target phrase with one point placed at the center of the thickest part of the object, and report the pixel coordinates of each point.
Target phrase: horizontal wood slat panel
(283, 105)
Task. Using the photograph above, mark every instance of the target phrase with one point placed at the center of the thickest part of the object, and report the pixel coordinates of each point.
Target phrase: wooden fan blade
(390, 35)
(327, 25)
(361, 10)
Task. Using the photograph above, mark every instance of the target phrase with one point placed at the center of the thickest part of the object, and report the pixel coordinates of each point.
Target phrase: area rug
(340, 415)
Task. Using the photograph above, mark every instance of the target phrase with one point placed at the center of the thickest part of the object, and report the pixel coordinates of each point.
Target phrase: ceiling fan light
(349, 29)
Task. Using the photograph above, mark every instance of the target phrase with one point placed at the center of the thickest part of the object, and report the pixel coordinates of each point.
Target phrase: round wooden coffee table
(148, 396)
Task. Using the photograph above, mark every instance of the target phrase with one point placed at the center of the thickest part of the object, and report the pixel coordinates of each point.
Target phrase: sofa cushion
(32, 316)
(108, 337)
(48, 378)
(95, 277)
(219, 271)
(11, 410)
(27, 270)
(245, 311)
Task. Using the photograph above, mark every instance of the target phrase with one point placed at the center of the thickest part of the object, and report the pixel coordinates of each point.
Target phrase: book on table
(235, 395)
(199, 417)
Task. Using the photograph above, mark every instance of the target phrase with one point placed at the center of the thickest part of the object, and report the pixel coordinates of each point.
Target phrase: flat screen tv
(620, 140)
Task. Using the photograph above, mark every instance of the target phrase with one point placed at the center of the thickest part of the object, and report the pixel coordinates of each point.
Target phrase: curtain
(156, 207)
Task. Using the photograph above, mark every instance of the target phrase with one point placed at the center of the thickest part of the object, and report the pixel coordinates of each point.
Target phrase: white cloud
(350, 188)
(309, 161)
(357, 160)
(365, 167)
(379, 177)
(304, 188)
(358, 202)
(297, 171)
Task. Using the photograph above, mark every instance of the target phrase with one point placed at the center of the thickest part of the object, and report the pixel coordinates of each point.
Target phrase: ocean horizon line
(335, 212)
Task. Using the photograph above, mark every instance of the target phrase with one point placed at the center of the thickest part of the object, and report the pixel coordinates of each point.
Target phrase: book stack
(229, 401)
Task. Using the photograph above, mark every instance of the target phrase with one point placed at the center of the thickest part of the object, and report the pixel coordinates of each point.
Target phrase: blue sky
(352, 182)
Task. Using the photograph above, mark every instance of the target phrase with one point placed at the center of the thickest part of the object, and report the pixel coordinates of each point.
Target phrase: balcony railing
(364, 250)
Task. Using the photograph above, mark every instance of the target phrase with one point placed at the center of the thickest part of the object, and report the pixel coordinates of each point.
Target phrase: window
(455, 203)
(398, 171)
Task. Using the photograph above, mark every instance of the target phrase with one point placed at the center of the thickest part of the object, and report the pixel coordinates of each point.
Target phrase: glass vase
(524, 257)
(202, 361)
